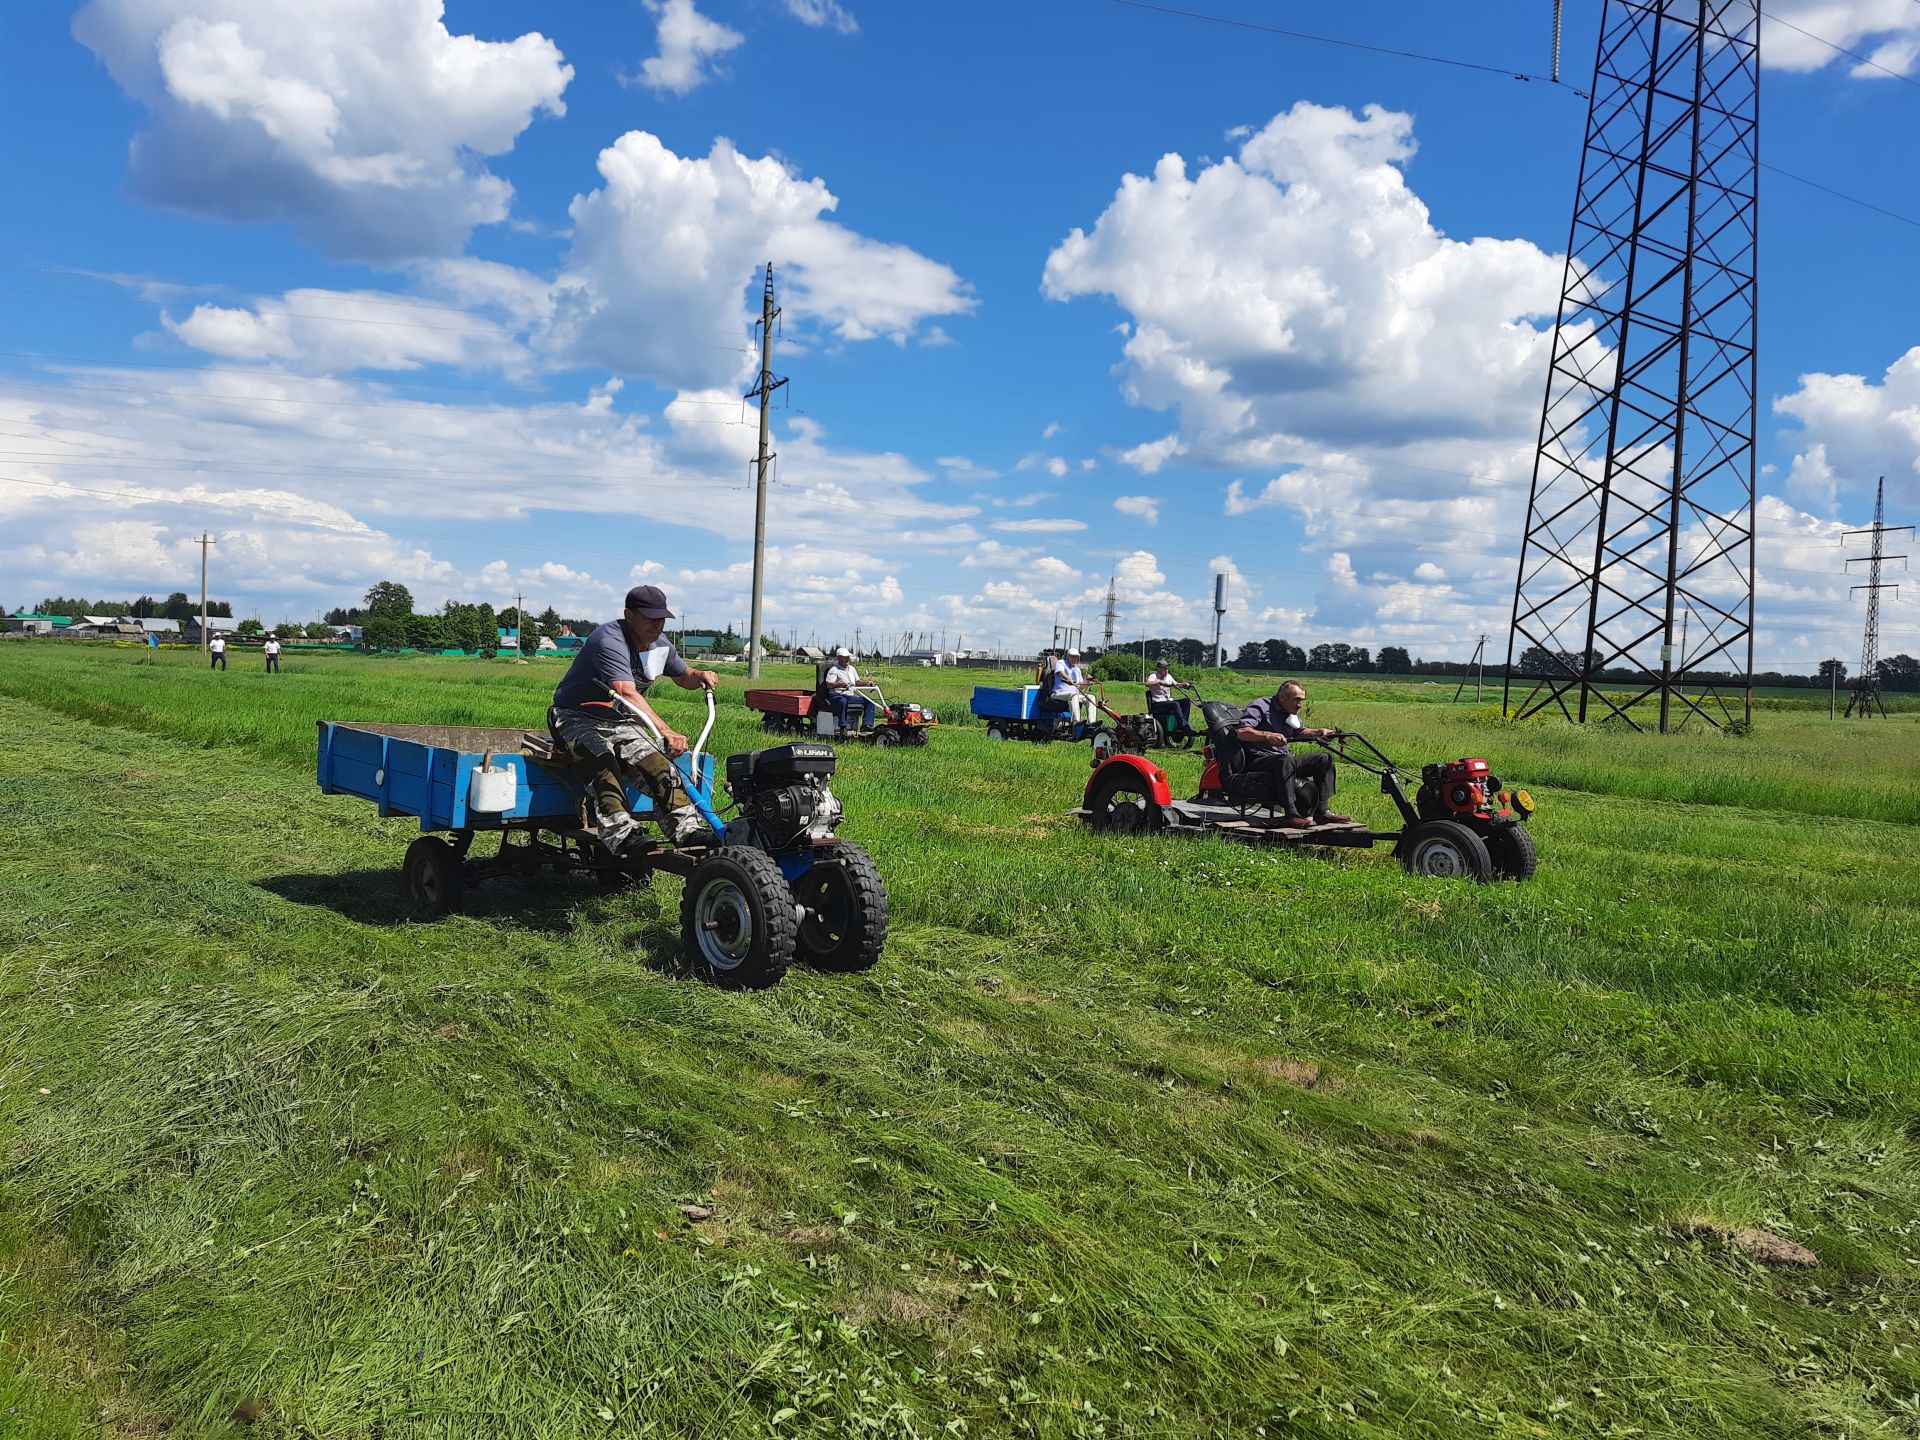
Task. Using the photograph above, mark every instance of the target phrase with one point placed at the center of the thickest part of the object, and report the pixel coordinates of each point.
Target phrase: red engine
(1459, 790)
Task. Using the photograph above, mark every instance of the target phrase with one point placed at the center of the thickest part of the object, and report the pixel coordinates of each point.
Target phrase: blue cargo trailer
(771, 884)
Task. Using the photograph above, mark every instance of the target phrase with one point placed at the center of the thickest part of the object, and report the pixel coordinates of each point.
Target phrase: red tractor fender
(1150, 774)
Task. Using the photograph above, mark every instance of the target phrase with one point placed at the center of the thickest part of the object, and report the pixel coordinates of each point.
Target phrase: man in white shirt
(1160, 702)
(1064, 682)
(217, 653)
(841, 694)
(272, 651)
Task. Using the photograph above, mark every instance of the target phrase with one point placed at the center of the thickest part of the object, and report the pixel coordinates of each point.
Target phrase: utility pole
(763, 391)
(1833, 689)
(205, 541)
(520, 628)
(1477, 663)
(1866, 685)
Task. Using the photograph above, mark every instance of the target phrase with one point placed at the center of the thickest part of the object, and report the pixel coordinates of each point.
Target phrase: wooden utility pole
(205, 541)
(763, 391)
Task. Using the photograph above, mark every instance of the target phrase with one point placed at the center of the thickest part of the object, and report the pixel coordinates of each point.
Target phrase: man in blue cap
(611, 746)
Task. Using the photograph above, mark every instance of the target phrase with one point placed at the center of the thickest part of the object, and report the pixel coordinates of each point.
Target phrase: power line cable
(1348, 44)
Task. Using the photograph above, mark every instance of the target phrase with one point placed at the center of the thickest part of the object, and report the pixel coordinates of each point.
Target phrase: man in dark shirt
(626, 656)
(1268, 728)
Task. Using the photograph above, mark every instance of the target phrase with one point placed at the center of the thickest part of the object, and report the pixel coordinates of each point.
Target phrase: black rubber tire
(1179, 740)
(773, 724)
(736, 919)
(994, 732)
(1444, 849)
(1121, 805)
(887, 738)
(844, 927)
(432, 871)
(1512, 850)
(920, 736)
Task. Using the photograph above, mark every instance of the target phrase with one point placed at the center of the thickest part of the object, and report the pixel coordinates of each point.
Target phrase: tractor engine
(1456, 790)
(783, 795)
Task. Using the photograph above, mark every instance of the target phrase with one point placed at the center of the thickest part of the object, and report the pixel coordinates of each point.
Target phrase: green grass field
(1138, 1137)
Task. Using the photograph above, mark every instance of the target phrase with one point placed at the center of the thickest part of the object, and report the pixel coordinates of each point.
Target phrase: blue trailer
(1020, 715)
(778, 885)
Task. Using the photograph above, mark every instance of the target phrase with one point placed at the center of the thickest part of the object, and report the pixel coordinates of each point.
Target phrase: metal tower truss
(1642, 499)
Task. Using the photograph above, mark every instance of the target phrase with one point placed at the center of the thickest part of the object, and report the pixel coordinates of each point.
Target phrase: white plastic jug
(492, 789)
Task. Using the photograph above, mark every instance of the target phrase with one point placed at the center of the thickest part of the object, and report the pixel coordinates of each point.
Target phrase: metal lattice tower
(1866, 685)
(1642, 497)
(1110, 614)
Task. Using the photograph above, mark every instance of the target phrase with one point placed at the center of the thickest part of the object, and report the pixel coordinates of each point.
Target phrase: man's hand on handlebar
(675, 742)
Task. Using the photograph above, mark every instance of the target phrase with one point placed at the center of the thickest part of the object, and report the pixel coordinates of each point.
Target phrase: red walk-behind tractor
(1461, 822)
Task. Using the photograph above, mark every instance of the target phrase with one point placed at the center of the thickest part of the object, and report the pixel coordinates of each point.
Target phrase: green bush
(1118, 665)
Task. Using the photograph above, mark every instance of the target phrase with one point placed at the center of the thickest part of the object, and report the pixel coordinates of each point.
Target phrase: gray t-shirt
(609, 655)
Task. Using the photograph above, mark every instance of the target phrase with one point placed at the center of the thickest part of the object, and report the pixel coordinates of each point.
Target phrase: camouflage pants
(606, 751)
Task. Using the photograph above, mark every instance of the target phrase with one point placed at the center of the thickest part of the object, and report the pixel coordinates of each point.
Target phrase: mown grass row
(1123, 1137)
(1796, 763)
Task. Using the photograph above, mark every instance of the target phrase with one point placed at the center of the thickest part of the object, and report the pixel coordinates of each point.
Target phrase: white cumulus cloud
(1147, 507)
(824, 14)
(689, 42)
(365, 124)
(665, 252)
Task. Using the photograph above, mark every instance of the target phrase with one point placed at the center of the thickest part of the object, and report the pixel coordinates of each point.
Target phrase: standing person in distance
(217, 653)
(609, 745)
(272, 651)
(841, 679)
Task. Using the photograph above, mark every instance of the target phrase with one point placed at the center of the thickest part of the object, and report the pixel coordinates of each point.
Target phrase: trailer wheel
(994, 732)
(1444, 849)
(736, 919)
(1513, 852)
(432, 871)
(1121, 804)
(843, 903)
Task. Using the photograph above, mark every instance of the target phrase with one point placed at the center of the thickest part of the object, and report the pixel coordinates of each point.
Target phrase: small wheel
(736, 919)
(1179, 739)
(1445, 849)
(1120, 803)
(886, 737)
(994, 732)
(1104, 745)
(1512, 850)
(920, 736)
(773, 724)
(843, 903)
(432, 870)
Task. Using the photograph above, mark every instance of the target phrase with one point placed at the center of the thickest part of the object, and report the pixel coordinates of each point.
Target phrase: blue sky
(459, 296)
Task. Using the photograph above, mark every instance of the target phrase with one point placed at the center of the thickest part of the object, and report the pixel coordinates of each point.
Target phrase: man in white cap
(1064, 680)
(608, 744)
(841, 694)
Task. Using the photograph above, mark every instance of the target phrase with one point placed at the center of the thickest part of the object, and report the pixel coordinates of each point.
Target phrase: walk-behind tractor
(810, 712)
(1461, 822)
(779, 885)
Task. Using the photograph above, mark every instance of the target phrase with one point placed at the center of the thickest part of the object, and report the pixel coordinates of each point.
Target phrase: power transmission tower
(762, 391)
(205, 541)
(1110, 614)
(1643, 480)
(1866, 685)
